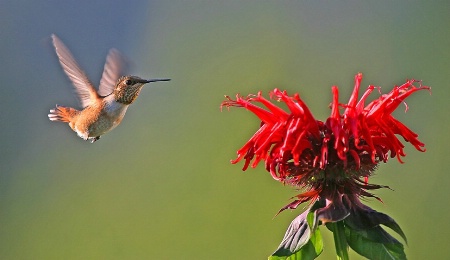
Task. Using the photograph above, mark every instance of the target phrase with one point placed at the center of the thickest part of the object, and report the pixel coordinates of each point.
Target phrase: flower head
(330, 157)
(331, 161)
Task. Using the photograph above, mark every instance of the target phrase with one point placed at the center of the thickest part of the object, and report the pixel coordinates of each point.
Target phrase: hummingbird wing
(84, 88)
(113, 70)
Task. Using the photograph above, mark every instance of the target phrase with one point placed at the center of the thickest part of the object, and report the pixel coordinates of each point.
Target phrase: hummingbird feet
(93, 139)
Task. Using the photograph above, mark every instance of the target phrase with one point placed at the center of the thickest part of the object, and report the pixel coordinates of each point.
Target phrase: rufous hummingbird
(103, 110)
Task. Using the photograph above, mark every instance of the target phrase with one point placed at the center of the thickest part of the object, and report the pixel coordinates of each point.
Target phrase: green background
(160, 186)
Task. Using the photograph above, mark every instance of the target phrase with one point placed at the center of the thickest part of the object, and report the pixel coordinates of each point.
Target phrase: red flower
(332, 157)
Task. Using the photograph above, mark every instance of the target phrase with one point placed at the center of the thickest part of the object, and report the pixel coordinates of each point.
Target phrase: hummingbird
(101, 111)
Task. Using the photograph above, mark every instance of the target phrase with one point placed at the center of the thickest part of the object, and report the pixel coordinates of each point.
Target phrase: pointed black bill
(155, 80)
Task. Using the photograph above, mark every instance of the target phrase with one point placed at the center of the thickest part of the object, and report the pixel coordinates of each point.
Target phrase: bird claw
(93, 139)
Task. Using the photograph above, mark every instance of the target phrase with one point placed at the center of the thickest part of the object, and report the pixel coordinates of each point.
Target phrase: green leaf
(309, 251)
(375, 243)
(299, 242)
(390, 223)
(368, 218)
(311, 220)
(317, 242)
(296, 236)
(378, 235)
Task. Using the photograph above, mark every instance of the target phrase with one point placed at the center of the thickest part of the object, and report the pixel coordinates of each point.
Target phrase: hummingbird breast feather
(110, 117)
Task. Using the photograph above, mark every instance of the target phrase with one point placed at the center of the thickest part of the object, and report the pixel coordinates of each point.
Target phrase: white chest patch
(115, 111)
(110, 117)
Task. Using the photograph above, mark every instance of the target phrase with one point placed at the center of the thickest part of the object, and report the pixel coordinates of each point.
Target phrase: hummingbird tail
(62, 114)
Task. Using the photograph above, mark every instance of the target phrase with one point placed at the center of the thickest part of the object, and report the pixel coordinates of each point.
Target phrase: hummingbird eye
(128, 82)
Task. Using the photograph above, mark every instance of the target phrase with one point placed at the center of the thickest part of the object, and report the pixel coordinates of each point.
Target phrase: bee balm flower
(330, 160)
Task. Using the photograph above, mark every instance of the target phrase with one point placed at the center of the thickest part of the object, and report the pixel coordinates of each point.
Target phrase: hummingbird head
(127, 88)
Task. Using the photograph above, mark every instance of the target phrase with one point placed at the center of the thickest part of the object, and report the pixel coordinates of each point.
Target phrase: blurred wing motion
(113, 70)
(84, 88)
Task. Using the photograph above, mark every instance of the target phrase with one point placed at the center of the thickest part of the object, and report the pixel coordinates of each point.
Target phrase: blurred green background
(160, 186)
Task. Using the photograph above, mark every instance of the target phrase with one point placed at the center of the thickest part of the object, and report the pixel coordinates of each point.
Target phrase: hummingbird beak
(155, 80)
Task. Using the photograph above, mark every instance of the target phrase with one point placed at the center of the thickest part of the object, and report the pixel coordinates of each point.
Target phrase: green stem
(340, 241)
